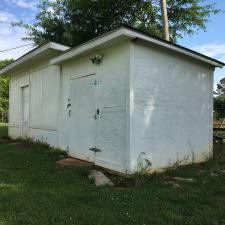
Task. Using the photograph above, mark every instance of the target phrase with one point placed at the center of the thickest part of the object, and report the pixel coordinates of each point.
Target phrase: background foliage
(4, 88)
(72, 22)
(219, 101)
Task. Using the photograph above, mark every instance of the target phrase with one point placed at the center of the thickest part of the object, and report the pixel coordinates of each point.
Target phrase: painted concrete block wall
(43, 81)
(110, 97)
(154, 104)
(171, 108)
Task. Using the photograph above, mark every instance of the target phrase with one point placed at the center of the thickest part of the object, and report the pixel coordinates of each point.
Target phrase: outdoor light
(97, 59)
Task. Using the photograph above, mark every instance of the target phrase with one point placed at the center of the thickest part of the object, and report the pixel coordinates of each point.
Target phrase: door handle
(97, 114)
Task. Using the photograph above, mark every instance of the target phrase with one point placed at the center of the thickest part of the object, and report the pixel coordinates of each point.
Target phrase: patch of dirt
(121, 182)
(72, 162)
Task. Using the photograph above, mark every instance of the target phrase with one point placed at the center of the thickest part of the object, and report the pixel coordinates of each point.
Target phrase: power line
(9, 49)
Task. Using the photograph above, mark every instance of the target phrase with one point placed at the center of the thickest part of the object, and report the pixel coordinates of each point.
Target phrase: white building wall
(43, 81)
(155, 105)
(110, 98)
(171, 108)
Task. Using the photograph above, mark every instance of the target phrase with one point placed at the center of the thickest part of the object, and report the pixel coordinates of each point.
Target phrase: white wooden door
(81, 112)
(25, 111)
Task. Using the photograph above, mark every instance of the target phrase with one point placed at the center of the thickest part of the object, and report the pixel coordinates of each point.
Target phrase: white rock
(98, 178)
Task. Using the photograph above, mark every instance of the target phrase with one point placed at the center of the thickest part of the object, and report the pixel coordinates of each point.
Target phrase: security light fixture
(97, 59)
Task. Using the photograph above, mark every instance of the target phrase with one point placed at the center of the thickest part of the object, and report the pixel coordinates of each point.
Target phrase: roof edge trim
(132, 33)
(89, 45)
(180, 49)
(32, 53)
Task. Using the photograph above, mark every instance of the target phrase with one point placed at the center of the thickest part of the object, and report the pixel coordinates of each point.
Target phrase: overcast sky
(211, 42)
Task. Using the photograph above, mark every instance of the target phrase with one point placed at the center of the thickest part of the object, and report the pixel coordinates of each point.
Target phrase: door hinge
(95, 149)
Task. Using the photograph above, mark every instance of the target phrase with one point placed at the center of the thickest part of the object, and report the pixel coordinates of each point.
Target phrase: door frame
(27, 85)
(71, 151)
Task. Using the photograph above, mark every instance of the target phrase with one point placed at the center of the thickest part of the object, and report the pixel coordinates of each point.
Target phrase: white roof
(66, 53)
(47, 50)
(130, 33)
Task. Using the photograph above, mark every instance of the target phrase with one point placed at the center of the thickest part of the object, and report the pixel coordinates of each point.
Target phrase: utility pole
(165, 20)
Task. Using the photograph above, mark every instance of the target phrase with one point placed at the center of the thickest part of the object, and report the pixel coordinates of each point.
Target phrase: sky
(210, 43)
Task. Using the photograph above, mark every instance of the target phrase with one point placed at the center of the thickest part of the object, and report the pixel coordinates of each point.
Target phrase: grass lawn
(34, 191)
(3, 130)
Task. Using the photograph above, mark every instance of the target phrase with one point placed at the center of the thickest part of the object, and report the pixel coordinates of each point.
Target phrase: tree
(4, 88)
(72, 22)
(221, 87)
(219, 106)
(219, 101)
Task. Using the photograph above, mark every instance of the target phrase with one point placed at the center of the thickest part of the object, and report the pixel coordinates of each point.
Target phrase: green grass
(34, 191)
(3, 131)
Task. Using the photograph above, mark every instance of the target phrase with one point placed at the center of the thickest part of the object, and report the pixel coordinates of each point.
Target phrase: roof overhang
(123, 33)
(46, 51)
(103, 41)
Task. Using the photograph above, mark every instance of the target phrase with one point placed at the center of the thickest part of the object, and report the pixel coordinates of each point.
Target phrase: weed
(41, 147)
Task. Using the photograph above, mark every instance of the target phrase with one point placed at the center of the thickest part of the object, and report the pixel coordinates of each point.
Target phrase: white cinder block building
(143, 102)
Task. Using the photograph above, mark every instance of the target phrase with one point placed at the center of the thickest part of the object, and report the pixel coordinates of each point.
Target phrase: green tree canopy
(221, 87)
(219, 101)
(4, 87)
(72, 22)
(219, 106)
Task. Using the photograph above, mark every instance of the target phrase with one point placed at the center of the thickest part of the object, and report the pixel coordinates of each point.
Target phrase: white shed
(143, 102)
